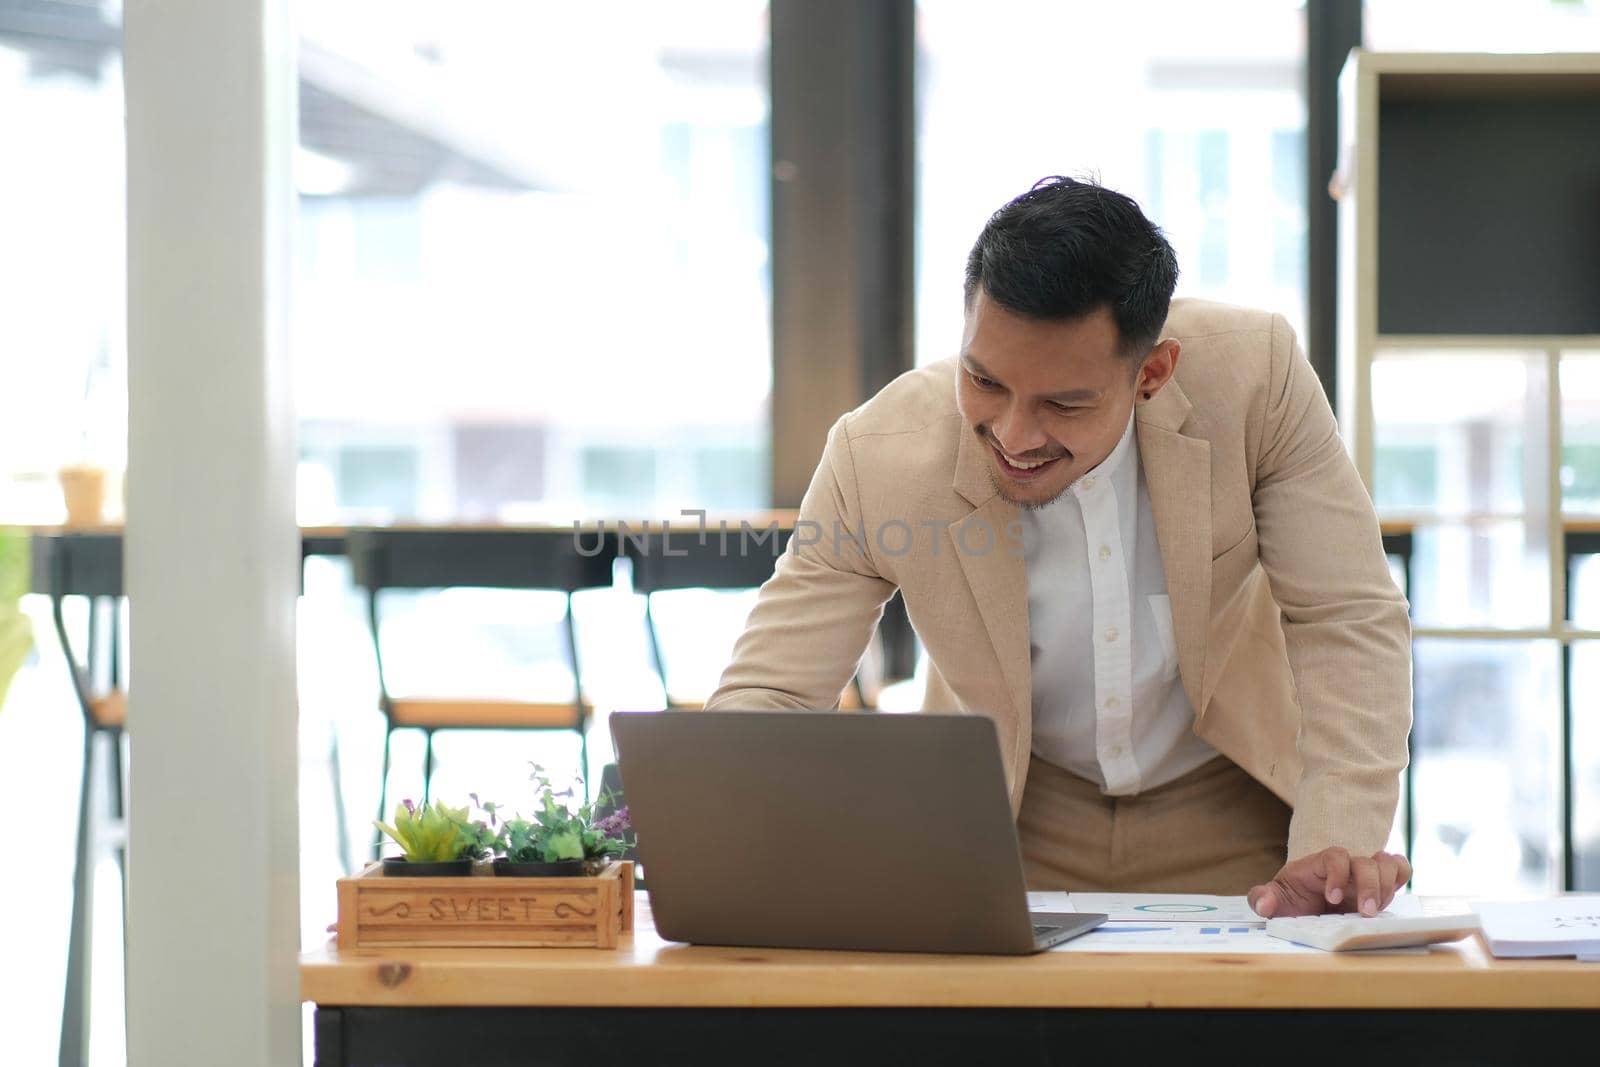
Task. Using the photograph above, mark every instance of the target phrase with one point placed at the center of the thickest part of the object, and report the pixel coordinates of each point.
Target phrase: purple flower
(411, 809)
(615, 824)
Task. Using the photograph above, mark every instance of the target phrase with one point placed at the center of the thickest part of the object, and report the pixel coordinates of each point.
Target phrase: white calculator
(1342, 933)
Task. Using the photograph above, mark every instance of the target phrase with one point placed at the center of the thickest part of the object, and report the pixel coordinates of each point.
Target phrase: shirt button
(1112, 703)
(1105, 553)
(1112, 633)
(1089, 482)
(1114, 751)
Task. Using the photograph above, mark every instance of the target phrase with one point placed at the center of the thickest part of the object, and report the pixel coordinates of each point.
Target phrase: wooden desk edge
(1455, 977)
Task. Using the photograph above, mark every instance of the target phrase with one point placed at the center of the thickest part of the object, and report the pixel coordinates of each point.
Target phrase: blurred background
(534, 271)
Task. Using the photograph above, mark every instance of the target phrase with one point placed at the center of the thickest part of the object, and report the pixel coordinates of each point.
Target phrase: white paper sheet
(1050, 901)
(1183, 923)
(1563, 926)
(1182, 937)
(1167, 908)
(1161, 908)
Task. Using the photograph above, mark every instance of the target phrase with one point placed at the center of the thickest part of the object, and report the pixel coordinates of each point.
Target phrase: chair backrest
(1583, 539)
(487, 559)
(685, 561)
(88, 565)
(77, 564)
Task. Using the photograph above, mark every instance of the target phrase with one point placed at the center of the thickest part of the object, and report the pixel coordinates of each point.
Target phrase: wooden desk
(652, 1002)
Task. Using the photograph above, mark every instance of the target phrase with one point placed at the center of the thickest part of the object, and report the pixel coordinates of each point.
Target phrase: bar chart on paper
(1174, 922)
(1182, 937)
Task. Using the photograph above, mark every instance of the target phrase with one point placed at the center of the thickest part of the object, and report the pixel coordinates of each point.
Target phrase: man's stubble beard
(1025, 505)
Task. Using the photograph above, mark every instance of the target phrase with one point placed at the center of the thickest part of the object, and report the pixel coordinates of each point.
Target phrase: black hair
(1066, 248)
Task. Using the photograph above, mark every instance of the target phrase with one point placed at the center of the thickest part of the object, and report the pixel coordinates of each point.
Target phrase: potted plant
(437, 840)
(561, 840)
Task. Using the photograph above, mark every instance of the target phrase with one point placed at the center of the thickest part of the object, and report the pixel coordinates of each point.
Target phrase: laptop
(885, 833)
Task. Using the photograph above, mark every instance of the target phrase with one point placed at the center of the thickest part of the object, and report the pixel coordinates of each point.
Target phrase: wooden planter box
(484, 911)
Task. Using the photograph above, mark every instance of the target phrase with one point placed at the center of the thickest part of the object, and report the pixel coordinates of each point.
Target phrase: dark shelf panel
(1489, 209)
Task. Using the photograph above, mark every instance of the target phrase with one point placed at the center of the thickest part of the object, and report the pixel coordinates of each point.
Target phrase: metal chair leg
(91, 644)
(119, 812)
(340, 822)
(655, 651)
(579, 708)
(583, 757)
(383, 792)
(75, 1008)
(114, 783)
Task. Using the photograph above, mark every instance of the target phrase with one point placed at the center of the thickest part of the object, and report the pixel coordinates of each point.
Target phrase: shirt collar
(1112, 464)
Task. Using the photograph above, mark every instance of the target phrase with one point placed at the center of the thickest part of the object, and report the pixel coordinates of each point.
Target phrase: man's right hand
(1332, 881)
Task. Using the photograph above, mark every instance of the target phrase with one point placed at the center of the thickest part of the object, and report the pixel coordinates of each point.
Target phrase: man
(1126, 530)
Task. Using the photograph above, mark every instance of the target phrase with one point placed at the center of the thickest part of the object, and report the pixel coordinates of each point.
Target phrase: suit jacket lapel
(999, 581)
(1177, 470)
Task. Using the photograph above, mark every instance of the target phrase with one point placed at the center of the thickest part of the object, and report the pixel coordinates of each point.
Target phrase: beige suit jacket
(1293, 641)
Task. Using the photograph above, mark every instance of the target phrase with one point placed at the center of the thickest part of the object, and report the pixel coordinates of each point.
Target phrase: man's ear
(1157, 368)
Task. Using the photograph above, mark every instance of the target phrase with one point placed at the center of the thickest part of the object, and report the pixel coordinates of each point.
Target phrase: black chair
(738, 560)
(683, 559)
(88, 565)
(532, 559)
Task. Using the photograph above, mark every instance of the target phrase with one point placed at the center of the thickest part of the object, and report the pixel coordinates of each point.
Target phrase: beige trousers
(1215, 830)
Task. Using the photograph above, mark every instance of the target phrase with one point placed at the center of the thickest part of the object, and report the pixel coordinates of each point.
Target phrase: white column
(212, 553)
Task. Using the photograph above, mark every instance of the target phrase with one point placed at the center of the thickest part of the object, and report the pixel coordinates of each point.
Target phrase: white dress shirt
(1108, 704)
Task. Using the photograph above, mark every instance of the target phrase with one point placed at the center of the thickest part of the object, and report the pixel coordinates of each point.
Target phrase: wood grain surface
(645, 971)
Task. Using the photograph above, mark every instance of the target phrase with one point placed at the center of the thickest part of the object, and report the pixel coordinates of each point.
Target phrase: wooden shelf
(1435, 75)
(1393, 345)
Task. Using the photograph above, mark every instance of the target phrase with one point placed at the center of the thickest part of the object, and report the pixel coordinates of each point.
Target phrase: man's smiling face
(1049, 400)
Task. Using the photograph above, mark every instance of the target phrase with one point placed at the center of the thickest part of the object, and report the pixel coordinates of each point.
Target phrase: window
(1484, 438)
(1207, 145)
(619, 474)
(1288, 207)
(63, 354)
(506, 203)
(724, 476)
(1487, 740)
(379, 478)
(1584, 679)
(1481, 25)
(1580, 435)
(1580, 489)
(1452, 431)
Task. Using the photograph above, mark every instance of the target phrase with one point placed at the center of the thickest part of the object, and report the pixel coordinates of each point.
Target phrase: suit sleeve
(1346, 625)
(813, 618)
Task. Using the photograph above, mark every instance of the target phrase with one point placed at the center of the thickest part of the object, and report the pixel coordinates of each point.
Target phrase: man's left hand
(1332, 880)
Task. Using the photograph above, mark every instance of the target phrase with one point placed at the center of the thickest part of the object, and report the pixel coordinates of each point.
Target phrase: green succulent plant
(437, 833)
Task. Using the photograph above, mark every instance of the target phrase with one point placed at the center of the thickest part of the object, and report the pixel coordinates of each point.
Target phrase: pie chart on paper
(1167, 907)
